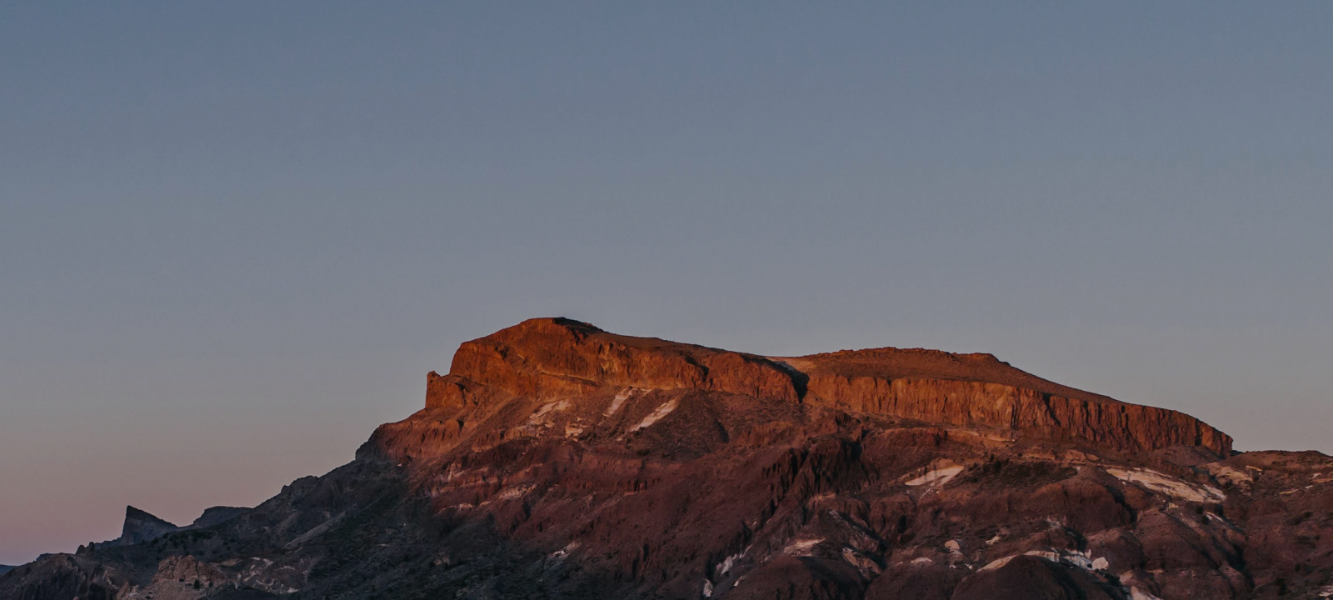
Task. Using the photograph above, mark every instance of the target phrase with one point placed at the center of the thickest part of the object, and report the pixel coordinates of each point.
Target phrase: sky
(234, 237)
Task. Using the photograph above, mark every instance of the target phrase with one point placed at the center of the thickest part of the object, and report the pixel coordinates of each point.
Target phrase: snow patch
(938, 476)
(514, 492)
(1161, 483)
(1082, 560)
(997, 563)
(1137, 594)
(865, 565)
(801, 547)
(1078, 560)
(1229, 475)
(729, 562)
(563, 552)
(546, 409)
(656, 415)
(619, 401)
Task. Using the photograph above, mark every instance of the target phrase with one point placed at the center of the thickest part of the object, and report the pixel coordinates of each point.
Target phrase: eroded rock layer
(558, 357)
(549, 357)
(559, 461)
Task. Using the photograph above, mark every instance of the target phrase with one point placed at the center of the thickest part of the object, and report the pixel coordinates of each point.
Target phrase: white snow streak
(657, 415)
(1158, 482)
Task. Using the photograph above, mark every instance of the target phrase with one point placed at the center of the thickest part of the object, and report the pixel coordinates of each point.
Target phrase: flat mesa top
(542, 336)
(917, 363)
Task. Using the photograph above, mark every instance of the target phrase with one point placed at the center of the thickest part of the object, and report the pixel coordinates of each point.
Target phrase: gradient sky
(235, 236)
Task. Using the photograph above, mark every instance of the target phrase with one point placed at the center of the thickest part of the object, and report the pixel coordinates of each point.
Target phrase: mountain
(557, 460)
(216, 516)
(5, 569)
(140, 526)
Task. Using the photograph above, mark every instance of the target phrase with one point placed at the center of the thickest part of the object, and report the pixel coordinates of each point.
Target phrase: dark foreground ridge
(556, 460)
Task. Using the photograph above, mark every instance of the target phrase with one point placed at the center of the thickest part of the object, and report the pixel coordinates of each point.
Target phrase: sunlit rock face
(557, 460)
(559, 358)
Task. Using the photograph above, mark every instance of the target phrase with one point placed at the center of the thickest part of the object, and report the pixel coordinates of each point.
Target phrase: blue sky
(235, 236)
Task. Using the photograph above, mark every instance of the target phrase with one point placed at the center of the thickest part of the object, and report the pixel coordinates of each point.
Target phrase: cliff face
(553, 357)
(549, 358)
(1026, 412)
(692, 472)
(141, 526)
(556, 460)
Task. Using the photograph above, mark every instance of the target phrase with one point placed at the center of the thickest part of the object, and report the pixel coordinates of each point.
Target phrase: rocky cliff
(547, 358)
(140, 527)
(556, 460)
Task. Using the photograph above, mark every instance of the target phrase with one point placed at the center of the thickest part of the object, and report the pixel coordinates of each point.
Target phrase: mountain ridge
(548, 357)
(557, 460)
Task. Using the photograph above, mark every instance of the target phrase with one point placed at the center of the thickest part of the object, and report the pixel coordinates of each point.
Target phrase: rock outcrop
(556, 460)
(217, 515)
(559, 357)
(979, 390)
(141, 526)
(549, 358)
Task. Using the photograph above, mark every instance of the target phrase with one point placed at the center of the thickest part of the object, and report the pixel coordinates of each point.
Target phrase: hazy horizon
(237, 236)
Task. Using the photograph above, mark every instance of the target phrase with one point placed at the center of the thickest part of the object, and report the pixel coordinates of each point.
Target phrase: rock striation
(557, 460)
(548, 358)
(555, 357)
(979, 390)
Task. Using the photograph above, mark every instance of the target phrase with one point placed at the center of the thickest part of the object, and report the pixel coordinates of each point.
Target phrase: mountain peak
(559, 460)
(558, 357)
(142, 526)
(564, 358)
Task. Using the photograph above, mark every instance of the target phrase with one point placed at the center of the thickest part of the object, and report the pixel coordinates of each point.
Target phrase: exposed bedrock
(1031, 413)
(560, 461)
(561, 358)
(551, 357)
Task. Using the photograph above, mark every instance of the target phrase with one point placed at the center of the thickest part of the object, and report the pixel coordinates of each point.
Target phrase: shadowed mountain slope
(556, 460)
